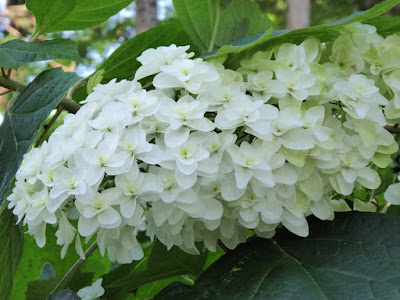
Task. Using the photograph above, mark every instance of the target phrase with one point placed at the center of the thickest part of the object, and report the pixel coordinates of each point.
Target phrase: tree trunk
(298, 13)
(146, 15)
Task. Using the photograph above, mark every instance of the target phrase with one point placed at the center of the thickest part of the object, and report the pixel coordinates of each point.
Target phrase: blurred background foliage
(97, 43)
(322, 11)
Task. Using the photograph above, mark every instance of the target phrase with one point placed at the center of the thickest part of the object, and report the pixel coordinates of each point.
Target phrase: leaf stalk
(67, 277)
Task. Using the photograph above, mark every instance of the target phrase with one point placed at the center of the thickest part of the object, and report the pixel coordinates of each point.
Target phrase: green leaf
(34, 259)
(246, 47)
(394, 210)
(213, 257)
(211, 24)
(356, 256)
(65, 295)
(148, 291)
(118, 271)
(16, 53)
(364, 206)
(123, 64)
(60, 15)
(162, 264)
(386, 25)
(25, 116)
(41, 289)
(11, 244)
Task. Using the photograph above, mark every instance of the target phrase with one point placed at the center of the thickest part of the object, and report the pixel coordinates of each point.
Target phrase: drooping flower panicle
(212, 152)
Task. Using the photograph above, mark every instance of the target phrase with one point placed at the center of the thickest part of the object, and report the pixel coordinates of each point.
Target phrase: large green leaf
(211, 24)
(34, 258)
(123, 271)
(41, 289)
(59, 15)
(11, 243)
(245, 47)
(16, 53)
(25, 116)
(162, 264)
(148, 291)
(356, 256)
(123, 64)
(386, 25)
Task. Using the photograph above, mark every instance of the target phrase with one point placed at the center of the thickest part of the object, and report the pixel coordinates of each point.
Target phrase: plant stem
(34, 37)
(11, 84)
(75, 87)
(69, 105)
(47, 126)
(148, 86)
(66, 103)
(67, 277)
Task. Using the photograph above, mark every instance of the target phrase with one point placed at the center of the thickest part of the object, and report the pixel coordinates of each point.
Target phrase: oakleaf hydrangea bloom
(210, 153)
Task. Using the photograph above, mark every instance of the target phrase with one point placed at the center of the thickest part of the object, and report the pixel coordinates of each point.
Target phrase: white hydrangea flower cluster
(211, 152)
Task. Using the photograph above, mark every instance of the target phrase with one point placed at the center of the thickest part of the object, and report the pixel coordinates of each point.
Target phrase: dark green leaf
(16, 53)
(41, 289)
(326, 32)
(386, 25)
(34, 258)
(148, 291)
(121, 271)
(393, 210)
(59, 15)
(213, 257)
(25, 116)
(356, 256)
(145, 291)
(211, 24)
(81, 280)
(11, 244)
(163, 264)
(65, 295)
(123, 64)
(80, 94)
